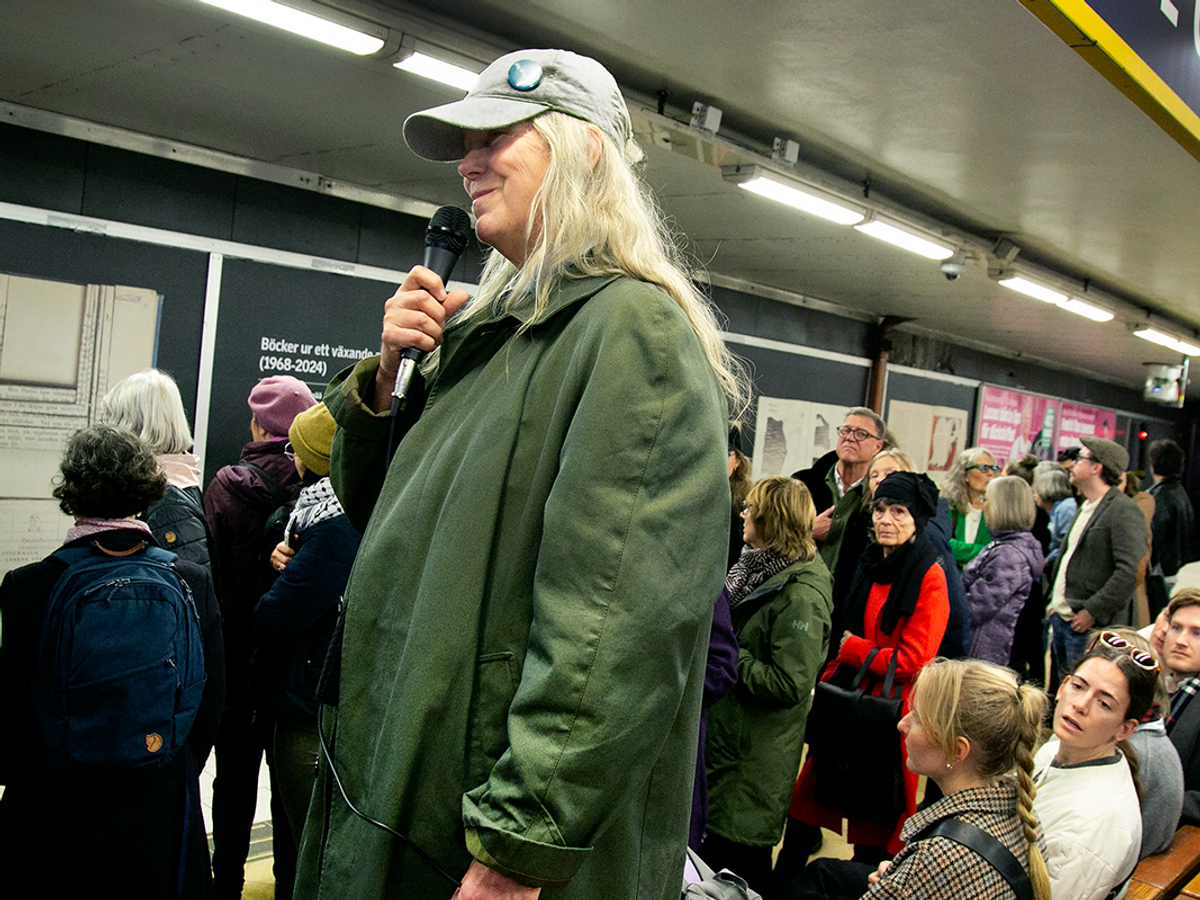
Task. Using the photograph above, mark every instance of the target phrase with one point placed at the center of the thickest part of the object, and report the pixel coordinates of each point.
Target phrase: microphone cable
(360, 814)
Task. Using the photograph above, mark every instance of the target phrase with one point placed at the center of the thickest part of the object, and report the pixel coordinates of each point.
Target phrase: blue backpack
(120, 669)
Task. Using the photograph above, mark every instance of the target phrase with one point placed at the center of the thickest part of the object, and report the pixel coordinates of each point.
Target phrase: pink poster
(1012, 423)
(1078, 421)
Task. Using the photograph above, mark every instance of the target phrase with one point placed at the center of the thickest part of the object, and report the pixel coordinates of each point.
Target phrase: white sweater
(1091, 823)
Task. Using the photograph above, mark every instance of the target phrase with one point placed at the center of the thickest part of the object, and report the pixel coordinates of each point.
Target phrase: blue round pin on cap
(524, 75)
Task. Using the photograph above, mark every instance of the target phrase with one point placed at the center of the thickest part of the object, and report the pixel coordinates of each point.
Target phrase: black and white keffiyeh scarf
(316, 503)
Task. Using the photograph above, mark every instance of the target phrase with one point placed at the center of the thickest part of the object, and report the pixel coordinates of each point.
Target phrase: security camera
(954, 267)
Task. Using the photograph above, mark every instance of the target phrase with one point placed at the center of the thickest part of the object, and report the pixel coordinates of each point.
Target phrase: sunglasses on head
(1141, 658)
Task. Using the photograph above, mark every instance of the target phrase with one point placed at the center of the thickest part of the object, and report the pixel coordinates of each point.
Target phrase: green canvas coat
(756, 732)
(528, 615)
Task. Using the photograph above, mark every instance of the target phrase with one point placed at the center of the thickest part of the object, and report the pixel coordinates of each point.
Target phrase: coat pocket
(495, 686)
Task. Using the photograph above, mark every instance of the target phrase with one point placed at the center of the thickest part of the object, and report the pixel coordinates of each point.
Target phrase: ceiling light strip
(1033, 289)
(1155, 336)
(796, 194)
(438, 70)
(304, 24)
(905, 239)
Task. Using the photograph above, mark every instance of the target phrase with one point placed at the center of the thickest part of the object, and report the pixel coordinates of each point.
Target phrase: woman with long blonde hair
(523, 656)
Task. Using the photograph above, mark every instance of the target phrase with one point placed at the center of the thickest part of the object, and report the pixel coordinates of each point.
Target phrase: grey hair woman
(148, 404)
(965, 489)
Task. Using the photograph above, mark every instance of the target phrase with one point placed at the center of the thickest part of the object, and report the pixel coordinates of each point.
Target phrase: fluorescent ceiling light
(1080, 308)
(304, 24)
(802, 200)
(438, 70)
(906, 240)
(1156, 337)
(1035, 290)
(809, 200)
(1165, 340)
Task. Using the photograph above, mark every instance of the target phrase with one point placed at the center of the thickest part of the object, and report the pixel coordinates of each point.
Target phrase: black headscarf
(904, 569)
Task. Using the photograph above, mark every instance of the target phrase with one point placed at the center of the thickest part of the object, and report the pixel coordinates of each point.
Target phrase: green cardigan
(528, 615)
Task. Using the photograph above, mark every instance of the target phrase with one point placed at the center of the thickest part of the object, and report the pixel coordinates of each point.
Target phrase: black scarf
(904, 570)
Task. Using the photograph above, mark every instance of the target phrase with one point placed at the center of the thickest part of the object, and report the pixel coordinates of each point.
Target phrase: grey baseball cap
(519, 86)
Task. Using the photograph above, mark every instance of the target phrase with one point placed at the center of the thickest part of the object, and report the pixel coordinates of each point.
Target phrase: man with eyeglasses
(836, 484)
(1097, 572)
(1181, 654)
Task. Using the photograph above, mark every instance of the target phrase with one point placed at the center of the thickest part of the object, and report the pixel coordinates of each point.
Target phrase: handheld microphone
(445, 239)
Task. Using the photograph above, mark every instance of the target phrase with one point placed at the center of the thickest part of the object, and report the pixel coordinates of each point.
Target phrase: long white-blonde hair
(601, 219)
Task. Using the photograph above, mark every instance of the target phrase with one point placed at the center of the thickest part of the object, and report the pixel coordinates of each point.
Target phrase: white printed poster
(931, 435)
(789, 435)
(51, 381)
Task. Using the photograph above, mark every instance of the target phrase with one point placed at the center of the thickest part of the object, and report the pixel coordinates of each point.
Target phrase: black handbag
(855, 748)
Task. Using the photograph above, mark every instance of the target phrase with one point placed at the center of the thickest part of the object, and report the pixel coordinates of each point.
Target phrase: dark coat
(849, 531)
(237, 505)
(88, 835)
(1102, 573)
(957, 640)
(720, 675)
(297, 616)
(1173, 525)
(1185, 735)
(178, 524)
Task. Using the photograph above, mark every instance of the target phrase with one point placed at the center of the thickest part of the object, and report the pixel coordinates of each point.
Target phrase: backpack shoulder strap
(278, 493)
(976, 839)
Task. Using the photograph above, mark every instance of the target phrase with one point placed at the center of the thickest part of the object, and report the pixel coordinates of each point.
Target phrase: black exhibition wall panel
(276, 320)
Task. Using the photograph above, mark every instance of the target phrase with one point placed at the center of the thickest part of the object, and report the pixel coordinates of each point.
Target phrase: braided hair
(1002, 720)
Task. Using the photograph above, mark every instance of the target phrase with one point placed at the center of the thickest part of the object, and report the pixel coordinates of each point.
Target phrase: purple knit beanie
(275, 401)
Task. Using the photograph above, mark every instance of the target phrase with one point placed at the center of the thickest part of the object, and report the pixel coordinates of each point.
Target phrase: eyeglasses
(1141, 658)
(859, 434)
(1082, 458)
(984, 469)
(289, 452)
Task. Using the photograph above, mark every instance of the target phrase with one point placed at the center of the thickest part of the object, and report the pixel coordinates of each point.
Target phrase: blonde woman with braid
(972, 730)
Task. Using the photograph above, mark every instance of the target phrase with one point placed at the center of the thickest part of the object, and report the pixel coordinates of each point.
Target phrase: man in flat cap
(1095, 579)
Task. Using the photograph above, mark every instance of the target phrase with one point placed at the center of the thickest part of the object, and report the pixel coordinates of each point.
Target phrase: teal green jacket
(527, 618)
(964, 551)
(756, 732)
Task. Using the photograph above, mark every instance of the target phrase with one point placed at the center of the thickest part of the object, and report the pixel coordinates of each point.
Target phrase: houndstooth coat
(938, 868)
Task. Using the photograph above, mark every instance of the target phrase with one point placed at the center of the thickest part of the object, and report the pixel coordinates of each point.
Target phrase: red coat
(914, 642)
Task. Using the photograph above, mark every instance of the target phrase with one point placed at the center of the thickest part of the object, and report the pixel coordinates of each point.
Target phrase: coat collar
(776, 582)
(1001, 799)
(571, 290)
